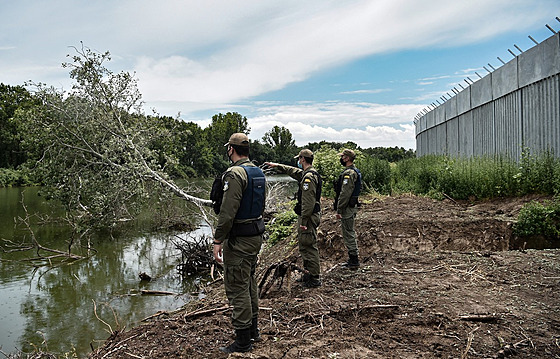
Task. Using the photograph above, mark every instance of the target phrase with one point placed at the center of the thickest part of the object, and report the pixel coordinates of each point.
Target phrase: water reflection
(58, 304)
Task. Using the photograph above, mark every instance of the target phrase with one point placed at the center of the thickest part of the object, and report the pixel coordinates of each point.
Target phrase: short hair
(309, 160)
(242, 151)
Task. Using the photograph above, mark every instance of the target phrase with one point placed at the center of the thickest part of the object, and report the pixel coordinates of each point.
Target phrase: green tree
(12, 98)
(218, 133)
(260, 152)
(283, 146)
(92, 145)
(183, 152)
(391, 154)
(223, 126)
(316, 146)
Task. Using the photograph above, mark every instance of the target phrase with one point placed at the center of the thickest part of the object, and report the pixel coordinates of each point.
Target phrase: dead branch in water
(196, 254)
(45, 256)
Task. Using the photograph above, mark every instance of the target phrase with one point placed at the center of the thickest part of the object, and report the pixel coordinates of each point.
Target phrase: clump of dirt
(438, 279)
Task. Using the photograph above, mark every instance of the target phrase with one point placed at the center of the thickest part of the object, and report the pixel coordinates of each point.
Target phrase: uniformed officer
(308, 209)
(238, 239)
(347, 189)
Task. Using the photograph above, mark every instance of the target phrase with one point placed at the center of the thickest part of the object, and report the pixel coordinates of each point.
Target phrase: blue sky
(332, 70)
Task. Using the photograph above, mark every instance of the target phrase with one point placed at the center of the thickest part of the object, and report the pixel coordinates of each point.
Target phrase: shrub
(539, 219)
(479, 177)
(9, 177)
(282, 226)
(376, 173)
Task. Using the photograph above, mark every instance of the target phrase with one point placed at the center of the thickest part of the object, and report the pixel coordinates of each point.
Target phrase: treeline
(187, 150)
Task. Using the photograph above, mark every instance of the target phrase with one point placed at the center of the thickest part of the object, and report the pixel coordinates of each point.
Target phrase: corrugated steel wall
(540, 103)
(515, 108)
(507, 122)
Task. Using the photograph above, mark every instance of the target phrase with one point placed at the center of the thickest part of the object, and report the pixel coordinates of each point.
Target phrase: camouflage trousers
(240, 262)
(348, 232)
(307, 244)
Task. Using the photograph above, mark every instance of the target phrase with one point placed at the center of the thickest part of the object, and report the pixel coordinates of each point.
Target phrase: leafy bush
(376, 173)
(9, 177)
(282, 226)
(539, 219)
(327, 163)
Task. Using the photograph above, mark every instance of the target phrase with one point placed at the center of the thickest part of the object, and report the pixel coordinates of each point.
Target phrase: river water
(72, 308)
(54, 308)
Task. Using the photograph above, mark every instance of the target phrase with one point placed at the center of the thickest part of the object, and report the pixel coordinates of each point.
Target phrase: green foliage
(91, 145)
(478, 177)
(376, 174)
(539, 219)
(337, 146)
(282, 226)
(12, 98)
(327, 162)
(539, 173)
(260, 153)
(9, 177)
(283, 146)
(221, 128)
(391, 154)
(182, 151)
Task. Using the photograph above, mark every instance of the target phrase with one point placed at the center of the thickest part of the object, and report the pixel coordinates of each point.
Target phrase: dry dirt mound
(439, 279)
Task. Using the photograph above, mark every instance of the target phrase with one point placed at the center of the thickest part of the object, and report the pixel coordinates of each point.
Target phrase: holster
(248, 229)
(353, 202)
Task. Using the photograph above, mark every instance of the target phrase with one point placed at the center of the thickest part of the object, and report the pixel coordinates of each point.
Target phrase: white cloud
(306, 37)
(194, 55)
(369, 125)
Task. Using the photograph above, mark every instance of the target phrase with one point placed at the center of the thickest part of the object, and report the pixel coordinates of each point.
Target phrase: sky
(333, 70)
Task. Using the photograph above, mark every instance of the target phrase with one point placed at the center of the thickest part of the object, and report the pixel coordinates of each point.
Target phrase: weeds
(540, 219)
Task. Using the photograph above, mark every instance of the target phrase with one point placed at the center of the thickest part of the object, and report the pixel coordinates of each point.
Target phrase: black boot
(242, 342)
(312, 282)
(304, 278)
(353, 262)
(255, 332)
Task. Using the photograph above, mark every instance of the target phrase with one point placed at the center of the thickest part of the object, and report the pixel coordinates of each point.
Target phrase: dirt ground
(438, 279)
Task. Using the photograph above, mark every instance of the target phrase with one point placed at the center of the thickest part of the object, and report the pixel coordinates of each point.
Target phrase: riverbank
(438, 279)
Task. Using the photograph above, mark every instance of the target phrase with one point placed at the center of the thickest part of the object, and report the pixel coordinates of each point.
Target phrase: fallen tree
(91, 146)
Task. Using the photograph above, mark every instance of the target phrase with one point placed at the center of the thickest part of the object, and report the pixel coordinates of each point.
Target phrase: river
(72, 308)
(53, 308)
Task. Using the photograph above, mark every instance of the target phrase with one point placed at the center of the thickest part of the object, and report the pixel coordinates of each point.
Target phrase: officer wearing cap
(238, 239)
(308, 209)
(347, 190)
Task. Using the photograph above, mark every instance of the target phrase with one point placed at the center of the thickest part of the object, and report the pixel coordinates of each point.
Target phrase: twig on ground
(469, 343)
(199, 312)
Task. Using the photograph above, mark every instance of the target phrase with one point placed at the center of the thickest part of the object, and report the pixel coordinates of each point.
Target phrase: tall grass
(478, 177)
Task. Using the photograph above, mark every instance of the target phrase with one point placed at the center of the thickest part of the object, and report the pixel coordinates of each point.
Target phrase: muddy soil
(438, 279)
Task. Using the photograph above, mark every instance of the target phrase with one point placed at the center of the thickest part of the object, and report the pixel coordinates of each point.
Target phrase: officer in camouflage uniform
(238, 239)
(308, 209)
(347, 190)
